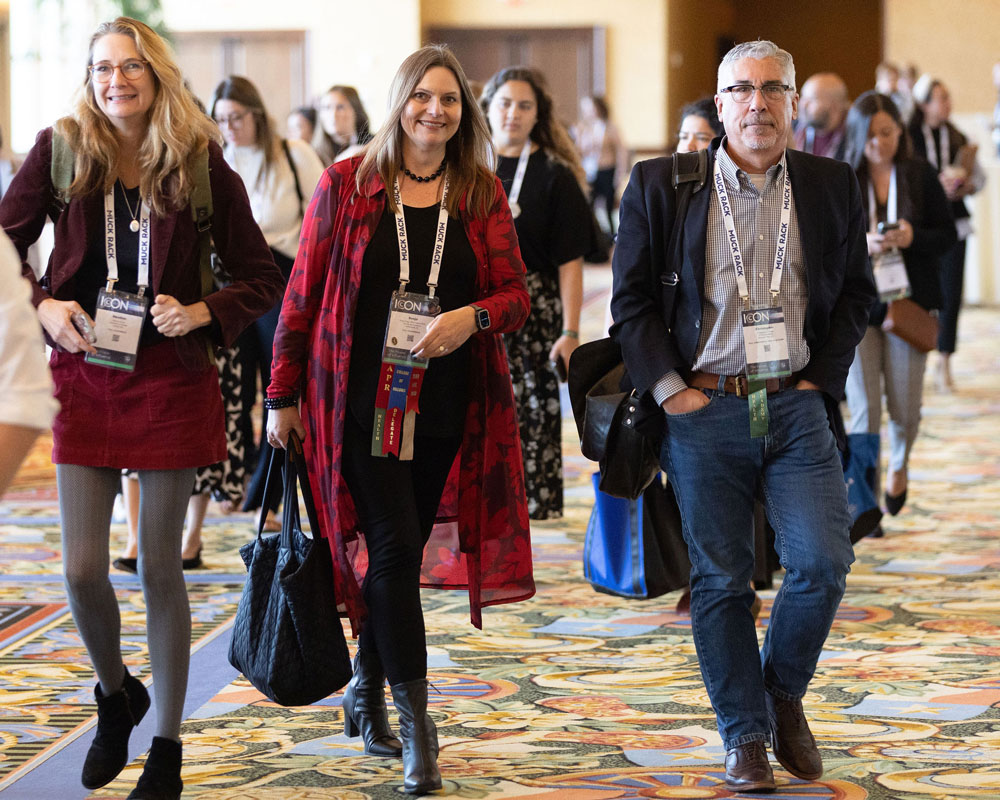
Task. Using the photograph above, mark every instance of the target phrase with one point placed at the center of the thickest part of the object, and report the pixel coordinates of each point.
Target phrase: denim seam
(780, 693)
(746, 738)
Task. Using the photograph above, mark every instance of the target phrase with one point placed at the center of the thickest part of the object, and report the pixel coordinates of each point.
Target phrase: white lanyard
(404, 248)
(891, 211)
(110, 244)
(515, 187)
(932, 151)
(780, 249)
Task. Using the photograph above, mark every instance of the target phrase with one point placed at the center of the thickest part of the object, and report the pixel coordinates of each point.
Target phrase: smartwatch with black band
(482, 318)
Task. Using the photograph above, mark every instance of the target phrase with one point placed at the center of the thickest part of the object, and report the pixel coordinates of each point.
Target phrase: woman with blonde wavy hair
(123, 306)
(431, 486)
(541, 173)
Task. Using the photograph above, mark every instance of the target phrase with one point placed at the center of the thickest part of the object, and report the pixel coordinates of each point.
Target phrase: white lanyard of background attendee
(515, 187)
(110, 248)
(780, 248)
(404, 249)
(891, 212)
(932, 151)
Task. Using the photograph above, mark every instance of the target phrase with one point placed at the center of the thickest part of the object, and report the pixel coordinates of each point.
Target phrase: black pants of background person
(256, 348)
(952, 278)
(603, 188)
(396, 503)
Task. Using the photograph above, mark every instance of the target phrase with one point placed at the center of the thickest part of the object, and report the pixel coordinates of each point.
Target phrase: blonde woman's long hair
(469, 153)
(177, 128)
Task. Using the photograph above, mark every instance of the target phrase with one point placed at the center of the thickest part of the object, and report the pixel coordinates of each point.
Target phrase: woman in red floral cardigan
(436, 496)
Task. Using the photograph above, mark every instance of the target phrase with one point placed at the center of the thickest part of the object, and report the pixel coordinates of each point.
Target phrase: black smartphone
(882, 227)
(559, 366)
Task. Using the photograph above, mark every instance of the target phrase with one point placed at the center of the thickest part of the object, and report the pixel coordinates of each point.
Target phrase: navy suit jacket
(838, 275)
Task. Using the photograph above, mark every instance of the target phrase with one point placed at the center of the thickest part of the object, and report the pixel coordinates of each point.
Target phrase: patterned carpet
(574, 694)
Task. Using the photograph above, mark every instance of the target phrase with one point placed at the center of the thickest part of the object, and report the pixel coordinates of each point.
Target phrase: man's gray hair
(759, 50)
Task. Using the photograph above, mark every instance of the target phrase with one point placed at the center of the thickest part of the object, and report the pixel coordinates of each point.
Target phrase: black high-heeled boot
(161, 777)
(364, 707)
(419, 735)
(117, 716)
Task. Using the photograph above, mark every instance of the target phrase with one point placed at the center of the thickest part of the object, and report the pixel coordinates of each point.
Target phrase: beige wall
(356, 43)
(636, 48)
(956, 42)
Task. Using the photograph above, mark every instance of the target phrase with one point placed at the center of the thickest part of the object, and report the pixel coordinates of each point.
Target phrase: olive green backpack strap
(201, 213)
(62, 168)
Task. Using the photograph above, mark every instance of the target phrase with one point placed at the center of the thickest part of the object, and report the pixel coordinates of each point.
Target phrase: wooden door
(274, 61)
(572, 59)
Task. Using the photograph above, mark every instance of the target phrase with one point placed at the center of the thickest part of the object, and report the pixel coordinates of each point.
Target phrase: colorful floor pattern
(573, 695)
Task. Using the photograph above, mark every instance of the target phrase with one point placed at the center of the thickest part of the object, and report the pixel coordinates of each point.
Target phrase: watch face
(483, 319)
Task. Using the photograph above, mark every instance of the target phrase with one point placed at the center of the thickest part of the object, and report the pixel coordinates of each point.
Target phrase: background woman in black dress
(554, 229)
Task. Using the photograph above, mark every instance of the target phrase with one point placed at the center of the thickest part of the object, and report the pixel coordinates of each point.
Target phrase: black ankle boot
(117, 715)
(420, 743)
(364, 707)
(161, 777)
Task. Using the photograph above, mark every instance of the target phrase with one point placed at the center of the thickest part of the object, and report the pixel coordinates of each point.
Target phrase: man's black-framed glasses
(742, 92)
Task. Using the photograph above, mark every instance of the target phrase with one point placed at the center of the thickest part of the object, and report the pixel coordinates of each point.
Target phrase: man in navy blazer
(746, 345)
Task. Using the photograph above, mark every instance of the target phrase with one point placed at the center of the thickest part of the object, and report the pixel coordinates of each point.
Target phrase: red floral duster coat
(481, 540)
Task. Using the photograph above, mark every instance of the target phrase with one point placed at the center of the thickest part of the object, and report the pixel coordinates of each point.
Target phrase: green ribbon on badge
(757, 403)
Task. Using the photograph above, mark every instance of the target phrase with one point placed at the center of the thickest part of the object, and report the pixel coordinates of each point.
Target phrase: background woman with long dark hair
(903, 194)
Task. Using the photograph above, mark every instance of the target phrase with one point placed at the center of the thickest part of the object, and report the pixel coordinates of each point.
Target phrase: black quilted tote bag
(287, 638)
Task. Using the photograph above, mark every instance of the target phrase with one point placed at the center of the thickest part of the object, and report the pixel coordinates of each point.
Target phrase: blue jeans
(716, 468)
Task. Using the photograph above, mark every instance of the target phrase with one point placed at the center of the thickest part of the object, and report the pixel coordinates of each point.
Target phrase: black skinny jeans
(396, 503)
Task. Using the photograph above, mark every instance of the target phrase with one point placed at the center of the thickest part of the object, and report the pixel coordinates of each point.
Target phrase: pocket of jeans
(696, 412)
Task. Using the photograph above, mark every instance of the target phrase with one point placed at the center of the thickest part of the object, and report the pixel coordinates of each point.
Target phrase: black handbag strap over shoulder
(690, 173)
(295, 475)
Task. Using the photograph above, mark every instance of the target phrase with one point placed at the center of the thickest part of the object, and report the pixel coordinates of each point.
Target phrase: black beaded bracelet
(274, 403)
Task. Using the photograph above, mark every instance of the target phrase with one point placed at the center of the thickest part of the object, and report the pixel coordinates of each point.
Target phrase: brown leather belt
(738, 384)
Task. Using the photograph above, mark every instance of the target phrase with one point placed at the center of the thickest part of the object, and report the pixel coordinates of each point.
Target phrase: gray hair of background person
(242, 91)
(859, 120)
(704, 107)
(758, 50)
(548, 133)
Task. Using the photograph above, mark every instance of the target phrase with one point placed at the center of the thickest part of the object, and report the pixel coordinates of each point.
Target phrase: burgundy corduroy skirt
(161, 416)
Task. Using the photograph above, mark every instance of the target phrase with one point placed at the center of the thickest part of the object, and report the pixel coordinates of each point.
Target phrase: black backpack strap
(201, 212)
(61, 170)
(690, 173)
(295, 175)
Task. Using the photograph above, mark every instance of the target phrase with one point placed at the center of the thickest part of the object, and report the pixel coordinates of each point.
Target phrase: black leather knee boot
(420, 744)
(117, 715)
(161, 777)
(364, 707)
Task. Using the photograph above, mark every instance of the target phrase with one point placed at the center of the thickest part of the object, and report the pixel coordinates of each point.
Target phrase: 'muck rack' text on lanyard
(119, 316)
(888, 266)
(765, 339)
(402, 373)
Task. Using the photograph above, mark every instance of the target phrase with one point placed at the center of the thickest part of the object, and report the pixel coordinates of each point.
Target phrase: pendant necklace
(134, 224)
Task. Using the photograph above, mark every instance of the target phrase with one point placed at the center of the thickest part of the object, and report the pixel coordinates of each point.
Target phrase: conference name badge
(402, 373)
(118, 325)
(890, 276)
(765, 339)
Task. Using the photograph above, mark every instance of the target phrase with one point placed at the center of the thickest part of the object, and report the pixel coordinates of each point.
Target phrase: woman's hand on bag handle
(56, 317)
(685, 401)
(280, 421)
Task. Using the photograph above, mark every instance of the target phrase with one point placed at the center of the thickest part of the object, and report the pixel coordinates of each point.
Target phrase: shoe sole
(806, 776)
(760, 786)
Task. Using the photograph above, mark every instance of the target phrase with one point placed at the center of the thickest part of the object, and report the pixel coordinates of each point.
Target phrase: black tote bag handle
(295, 474)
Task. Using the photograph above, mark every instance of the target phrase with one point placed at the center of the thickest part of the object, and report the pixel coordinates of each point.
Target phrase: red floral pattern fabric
(481, 541)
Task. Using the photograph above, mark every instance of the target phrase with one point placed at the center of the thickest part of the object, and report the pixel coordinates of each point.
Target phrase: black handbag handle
(295, 474)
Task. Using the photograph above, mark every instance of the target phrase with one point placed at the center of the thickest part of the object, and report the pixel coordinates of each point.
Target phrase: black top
(444, 395)
(922, 202)
(921, 148)
(93, 273)
(555, 225)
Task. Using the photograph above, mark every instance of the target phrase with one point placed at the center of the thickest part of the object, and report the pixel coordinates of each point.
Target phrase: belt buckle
(741, 385)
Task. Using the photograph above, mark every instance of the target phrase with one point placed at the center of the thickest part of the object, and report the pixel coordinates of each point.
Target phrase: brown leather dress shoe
(791, 740)
(747, 769)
